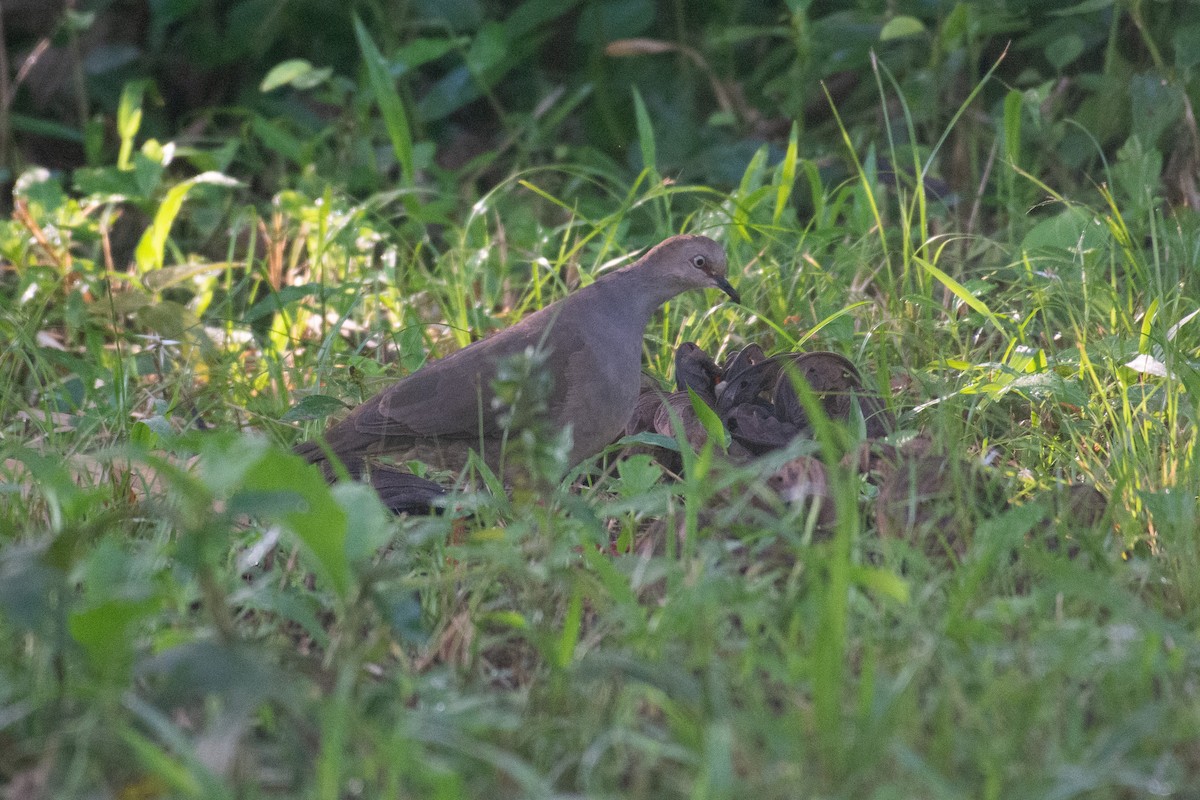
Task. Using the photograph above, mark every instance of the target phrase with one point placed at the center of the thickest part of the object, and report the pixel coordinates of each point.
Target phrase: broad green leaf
(600, 23)
(287, 72)
(1157, 103)
(709, 419)
(638, 474)
(282, 487)
(368, 523)
(1186, 41)
(1071, 230)
(103, 630)
(1064, 50)
(900, 28)
(29, 586)
(487, 53)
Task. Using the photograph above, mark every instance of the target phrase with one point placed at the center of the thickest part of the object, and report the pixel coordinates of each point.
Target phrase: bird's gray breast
(599, 386)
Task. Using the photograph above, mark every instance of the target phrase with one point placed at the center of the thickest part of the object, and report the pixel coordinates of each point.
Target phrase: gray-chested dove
(593, 341)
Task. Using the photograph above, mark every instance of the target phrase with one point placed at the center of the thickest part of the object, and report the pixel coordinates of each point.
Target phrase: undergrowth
(188, 610)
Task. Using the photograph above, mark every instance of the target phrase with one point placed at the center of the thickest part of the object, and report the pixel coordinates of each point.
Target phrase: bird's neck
(622, 295)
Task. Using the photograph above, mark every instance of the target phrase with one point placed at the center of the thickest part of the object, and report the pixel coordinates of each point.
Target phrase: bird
(592, 340)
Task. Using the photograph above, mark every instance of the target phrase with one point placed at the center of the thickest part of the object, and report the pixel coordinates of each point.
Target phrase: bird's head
(690, 261)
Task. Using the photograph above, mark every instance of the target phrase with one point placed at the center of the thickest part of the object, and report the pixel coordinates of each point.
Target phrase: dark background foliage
(495, 85)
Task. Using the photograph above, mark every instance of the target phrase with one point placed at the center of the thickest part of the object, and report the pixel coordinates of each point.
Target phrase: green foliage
(1004, 240)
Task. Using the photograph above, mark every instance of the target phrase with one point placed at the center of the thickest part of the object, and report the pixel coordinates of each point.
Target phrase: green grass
(188, 612)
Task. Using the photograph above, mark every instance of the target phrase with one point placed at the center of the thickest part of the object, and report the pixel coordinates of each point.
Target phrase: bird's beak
(725, 287)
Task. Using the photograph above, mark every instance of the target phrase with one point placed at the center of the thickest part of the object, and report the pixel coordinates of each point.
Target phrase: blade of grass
(962, 293)
(391, 107)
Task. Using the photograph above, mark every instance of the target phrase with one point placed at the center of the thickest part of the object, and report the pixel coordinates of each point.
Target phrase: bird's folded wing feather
(450, 398)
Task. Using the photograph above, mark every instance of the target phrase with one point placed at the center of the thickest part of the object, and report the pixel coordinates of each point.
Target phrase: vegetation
(230, 220)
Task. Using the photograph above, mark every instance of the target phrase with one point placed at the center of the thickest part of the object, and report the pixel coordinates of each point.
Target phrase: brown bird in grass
(593, 340)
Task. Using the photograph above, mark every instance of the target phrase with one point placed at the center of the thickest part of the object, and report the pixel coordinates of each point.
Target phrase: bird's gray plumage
(593, 340)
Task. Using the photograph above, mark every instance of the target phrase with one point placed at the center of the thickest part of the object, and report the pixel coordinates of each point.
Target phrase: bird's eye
(698, 262)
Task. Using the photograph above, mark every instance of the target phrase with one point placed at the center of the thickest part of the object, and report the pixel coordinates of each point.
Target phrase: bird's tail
(402, 492)
(405, 493)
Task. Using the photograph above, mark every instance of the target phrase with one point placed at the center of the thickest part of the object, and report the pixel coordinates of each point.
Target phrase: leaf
(571, 625)
(1064, 50)
(645, 133)
(1073, 231)
(752, 177)
(297, 72)
(129, 119)
(603, 22)
(961, 293)
(709, 419)
(901, 28)
(103, 630)
(28, 588)
(284, 73)
(786, 180)
(391, 107)
(1186, 42)
(1145, 364)
(1050, 385)
(453, 91)
(167, 277)
(1157, 103)
(487, 53)
(168, 319)
(882, 581)
(532, 14)
(315, 406)
(423, 50)
(1085, 7)
(1014, 101)
(165, 767)
(150, 249)
(718, 776)
(278, 301)
(278, 139)
(282, 487)
(368, 523)
(652, 439)
(955, 26)
(47, 128)
(638, 474)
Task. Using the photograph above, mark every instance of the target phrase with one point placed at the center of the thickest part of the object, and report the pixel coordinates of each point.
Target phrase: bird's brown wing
(448, 399)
